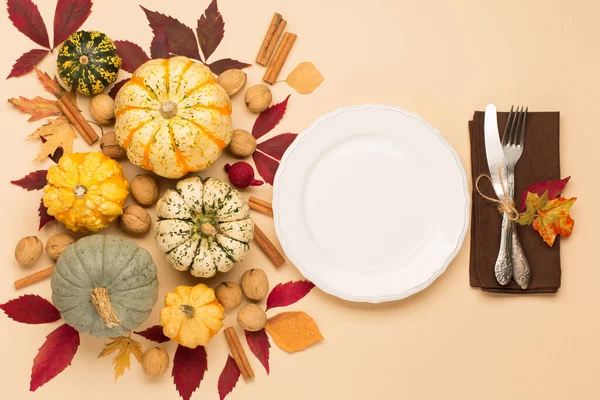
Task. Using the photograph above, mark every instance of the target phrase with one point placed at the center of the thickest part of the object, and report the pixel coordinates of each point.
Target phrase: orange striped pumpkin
(172, 117)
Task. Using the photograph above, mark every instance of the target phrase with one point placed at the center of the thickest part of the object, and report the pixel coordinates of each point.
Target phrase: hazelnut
(102, 109)
(28, 250)
(229, 294)
(255, 284)
(144, 189)
(56, 244)
(242, 143)
(110, 147)
(251, 318)
(135, 220)
(155, 361)
(258, 98)
(232, 80)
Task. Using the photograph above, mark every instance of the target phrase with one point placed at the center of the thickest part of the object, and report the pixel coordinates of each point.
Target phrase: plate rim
(298, 264)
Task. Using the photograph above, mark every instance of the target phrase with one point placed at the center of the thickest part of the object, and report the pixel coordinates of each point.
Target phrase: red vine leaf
(288, 293)
(31, 309)
(35, 180)
(38, 107)
(228, 378)
(68, 17)
(58, 153)
(266, 166)
(220, 66)
(54, 356)
(159, 48)
(258, 342)
(210, 30)
(27, 62)
(117, 86)
(182, 40)
(554, 188)
(132, 55)
(44, 216)
(189, 366)
(269, 118)
(276, 146)
(26, 17)
(154, 333)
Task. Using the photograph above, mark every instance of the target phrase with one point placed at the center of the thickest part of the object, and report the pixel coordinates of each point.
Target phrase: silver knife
(496, 162)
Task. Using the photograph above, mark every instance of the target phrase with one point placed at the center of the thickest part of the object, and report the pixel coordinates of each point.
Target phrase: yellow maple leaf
(305, 78)
(49, 129)
(62, 137)
(126, 347)
(293, 331)
(534, 203)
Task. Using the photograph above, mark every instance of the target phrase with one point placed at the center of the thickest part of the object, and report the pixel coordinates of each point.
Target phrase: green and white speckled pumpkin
(104, 285)
(203, 226)
(88, 62)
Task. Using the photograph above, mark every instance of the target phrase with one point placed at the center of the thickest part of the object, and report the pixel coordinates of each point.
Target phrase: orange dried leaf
(305, 78)
(554, 219)
(38, 107)
(293, 331)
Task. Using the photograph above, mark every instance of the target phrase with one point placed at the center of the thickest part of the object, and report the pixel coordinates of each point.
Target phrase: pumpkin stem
(188, 310)
(168, 109)
(208, 229)
(101, 302)
(84, 60)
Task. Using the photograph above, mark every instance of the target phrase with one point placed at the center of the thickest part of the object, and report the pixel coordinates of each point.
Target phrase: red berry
(241, 175)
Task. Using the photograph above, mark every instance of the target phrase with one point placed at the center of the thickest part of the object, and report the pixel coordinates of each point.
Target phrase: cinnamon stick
(270, 41)
(261, 202)
(33, 278)
(238, 353)
(259, 207)
(76, 118)
(281, 54)
(268, 247)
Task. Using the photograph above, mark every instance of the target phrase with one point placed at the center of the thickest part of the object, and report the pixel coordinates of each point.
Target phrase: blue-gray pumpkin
(104, 285)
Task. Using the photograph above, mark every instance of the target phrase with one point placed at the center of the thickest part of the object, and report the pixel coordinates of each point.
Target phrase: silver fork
(512, 144)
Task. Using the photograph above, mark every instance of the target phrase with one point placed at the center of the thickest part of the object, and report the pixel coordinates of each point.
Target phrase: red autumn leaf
(258, 342)
(269, 118)
(26, 62)
(220, 66)
(31, 309)
(35, 180)
(44, 216)
(132, 55)
(266, 166)
(38, 107)
(54, 356)
(228, 378)
(117, 86)
(210, 30)
(189, 366)
(182, 40)
(276, 146)
(26, 17)
(154, 333)
(68, 17)
(57, 154)
(288, 293)
(159, 48)
(554, 188)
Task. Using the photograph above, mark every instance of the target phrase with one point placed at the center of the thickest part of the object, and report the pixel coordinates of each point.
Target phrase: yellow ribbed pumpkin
(172, 117)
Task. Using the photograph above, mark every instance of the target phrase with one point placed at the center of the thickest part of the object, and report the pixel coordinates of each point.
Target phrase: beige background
(441, 60)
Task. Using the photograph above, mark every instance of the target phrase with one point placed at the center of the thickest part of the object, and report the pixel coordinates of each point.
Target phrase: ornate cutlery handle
(503, 267)
(521, 271)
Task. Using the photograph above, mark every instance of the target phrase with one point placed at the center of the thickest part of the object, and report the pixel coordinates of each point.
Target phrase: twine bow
(504, 206)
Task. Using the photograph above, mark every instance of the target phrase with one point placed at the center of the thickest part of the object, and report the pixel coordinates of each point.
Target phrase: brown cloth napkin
(540, 162)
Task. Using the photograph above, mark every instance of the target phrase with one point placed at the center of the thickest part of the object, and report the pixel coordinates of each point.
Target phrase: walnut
(110, 147)
(28, 250)
(242, 143)
(135, 220)
(258, 98)
(229, 294)
(102, 109)
(57, 244)
(251, 317)
(255, 284)
(144, 189)
(155, 361)
(232, 80)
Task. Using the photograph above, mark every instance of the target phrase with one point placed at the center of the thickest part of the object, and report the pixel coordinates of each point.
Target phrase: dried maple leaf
(35, 180)
(27, 62)
(68, 17)
(57, 154)
(228, 378)
(54, 356)
(305, 78)
(293, 331)
(189, 366)
(38, 107)
(154, 333)
(45, 218)
(49, 129)
(126, 347)
(554, 189)
(534, 202)
(133, 56)
(31, 309)
(26, 17)
(288, 293)
(259, 345)
(554, 219)
(61, 138)
(52, 86)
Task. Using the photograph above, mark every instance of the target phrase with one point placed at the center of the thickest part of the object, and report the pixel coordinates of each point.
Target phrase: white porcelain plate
(371, 203)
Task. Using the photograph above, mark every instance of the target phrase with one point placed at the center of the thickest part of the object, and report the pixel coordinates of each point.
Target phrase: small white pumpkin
(203, 226)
